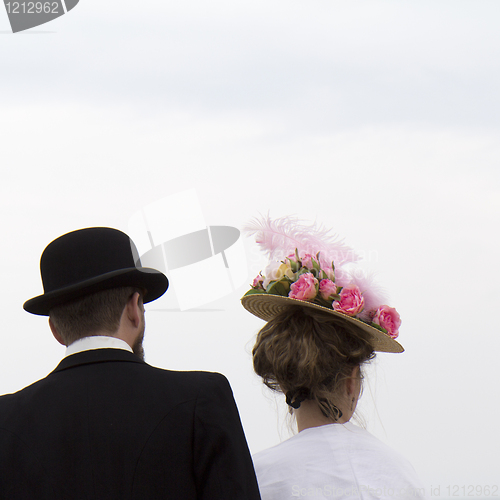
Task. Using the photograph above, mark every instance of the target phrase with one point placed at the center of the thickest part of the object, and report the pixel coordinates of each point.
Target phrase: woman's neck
(309, 415)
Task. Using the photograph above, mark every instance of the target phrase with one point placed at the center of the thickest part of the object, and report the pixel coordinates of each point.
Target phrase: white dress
(335, 461)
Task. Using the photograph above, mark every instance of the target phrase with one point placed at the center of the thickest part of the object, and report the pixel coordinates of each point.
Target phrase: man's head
(94, 285)
(95, 314)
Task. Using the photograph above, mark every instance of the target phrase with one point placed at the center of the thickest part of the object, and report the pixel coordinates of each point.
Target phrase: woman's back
(336, 461)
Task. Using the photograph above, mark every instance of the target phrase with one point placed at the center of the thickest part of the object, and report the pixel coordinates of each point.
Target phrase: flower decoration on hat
(310, 265)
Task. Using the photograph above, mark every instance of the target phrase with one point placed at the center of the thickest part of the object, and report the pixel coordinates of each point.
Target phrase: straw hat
(266, 307)
(309, 268)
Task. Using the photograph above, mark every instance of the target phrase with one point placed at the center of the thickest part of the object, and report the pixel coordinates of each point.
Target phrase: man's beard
(138, 348)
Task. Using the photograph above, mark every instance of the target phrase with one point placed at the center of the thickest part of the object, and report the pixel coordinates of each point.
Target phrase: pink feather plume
(279, 238)
(373, 294)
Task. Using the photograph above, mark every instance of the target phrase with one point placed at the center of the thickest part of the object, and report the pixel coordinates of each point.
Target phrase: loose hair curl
(306, 354)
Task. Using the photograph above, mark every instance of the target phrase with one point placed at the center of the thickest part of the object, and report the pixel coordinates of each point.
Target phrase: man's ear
(134, 308)
(56, 334)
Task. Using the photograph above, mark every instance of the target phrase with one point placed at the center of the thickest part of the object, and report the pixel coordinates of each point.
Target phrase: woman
(323, 324)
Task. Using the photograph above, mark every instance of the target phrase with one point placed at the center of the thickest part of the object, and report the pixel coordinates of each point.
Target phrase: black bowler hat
(90, 260)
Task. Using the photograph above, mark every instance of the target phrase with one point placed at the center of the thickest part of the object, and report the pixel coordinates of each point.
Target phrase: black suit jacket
(106, 425)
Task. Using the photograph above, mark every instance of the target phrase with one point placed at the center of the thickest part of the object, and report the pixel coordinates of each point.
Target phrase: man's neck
(96, 342)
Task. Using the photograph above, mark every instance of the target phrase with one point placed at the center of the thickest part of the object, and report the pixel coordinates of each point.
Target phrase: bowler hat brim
(152, 281)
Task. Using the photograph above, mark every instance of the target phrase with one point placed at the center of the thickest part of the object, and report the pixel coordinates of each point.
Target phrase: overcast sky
(379, 119)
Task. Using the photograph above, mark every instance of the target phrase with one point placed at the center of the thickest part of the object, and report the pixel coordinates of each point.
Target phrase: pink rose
(305, 288)
(351, 301)
(327, 288)
(257, 281)
(327, 268)
(307, 260)
(388, 318)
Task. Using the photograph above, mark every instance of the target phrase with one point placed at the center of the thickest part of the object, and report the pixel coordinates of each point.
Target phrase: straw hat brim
(267, 306)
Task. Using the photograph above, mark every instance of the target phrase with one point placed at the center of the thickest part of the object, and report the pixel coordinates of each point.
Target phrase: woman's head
(308, 354)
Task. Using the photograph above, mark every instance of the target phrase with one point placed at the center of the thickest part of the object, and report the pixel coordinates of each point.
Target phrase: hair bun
(294, 399)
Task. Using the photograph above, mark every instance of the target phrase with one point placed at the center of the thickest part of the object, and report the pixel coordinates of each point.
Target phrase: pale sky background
(379, 119)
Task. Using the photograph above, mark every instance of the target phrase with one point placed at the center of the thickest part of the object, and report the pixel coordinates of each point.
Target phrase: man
(104, 424)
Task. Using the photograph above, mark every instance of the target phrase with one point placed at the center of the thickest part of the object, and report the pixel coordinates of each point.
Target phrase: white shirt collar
(96, 342)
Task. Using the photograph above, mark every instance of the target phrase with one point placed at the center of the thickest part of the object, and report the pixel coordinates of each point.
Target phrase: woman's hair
(306, 354)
